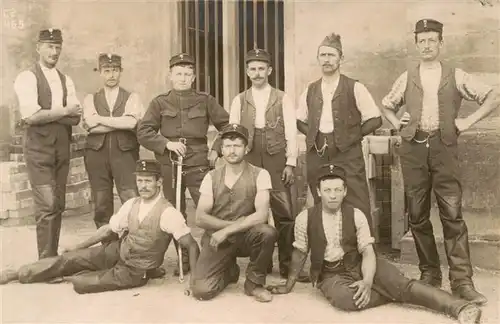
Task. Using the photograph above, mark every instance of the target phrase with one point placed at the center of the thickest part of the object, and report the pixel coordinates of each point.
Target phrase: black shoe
(467, 292)
(431, 279)
(8, 275)
(470, 314)
(156, 273)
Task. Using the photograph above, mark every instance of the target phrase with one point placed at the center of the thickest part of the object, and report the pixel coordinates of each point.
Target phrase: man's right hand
(404, 120)
(278, 289)
(177, 147)
(74, 110)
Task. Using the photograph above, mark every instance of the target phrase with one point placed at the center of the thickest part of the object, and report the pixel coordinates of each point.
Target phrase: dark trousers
(192, 177)
(215, 266)
(93, 270)
(353, 163)
(389, 285)
(436, 168)
(106, 167)
(280, 196)
(47, 161)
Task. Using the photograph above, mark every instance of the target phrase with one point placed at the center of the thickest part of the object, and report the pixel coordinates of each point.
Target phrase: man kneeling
(233, 209)
(344, 265)
(146, 225)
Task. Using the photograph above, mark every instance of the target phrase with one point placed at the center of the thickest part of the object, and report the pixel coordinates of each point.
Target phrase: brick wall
(17, 200)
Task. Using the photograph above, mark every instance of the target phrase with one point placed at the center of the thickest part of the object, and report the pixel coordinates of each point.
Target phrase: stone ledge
(30, 220)
(484, 251)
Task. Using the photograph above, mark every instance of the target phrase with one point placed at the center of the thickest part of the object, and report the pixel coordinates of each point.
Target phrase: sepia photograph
(250, 161)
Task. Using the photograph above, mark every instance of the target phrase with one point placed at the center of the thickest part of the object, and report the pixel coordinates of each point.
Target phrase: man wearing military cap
(233, 210)
(432, 92)
(334, 113)
(110, 116)
(176, 123)
(146, 225)
(49, 108)
(269, 116)
(344, 265)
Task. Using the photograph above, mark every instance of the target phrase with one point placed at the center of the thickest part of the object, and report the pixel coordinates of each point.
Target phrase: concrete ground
(162, 300)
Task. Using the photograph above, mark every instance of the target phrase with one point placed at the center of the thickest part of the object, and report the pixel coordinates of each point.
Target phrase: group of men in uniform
(257, 140)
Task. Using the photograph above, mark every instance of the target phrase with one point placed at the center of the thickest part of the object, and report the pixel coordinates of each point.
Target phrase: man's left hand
(363, 293)
(217, 238)
(212, 158)
(287, 176)
(462, 124)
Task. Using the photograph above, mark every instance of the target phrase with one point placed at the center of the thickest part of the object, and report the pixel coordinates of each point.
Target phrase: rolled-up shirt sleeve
(301, 112)
(206, 186)
(72, 99)
(264, 181)
(300, 232)
(395, 99)
(119, 221)
(173, 222)
(235, 111)
(27, 94)
(363, 233)
(470, 87)
(134, 107)
(365, 103)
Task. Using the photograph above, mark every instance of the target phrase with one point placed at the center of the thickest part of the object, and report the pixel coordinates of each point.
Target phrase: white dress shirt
(26, 90)
(261, 99)
(364, 102)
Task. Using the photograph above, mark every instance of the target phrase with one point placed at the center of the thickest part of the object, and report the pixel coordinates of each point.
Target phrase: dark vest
(239, 201)
(449, 101)
(46, 134)
(125, 139)
(346, 116)
(275, 125)
(145, 244)
(317, 239)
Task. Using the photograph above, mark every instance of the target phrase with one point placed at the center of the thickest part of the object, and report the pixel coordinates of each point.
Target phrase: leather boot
(468, 292)
(439, 300)
(431, 279)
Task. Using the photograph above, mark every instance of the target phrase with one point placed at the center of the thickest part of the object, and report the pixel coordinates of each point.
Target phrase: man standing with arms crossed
(111, 151)
(176, 124)
(269, 116)
(432, 92)
(334, 113)
(49, 108)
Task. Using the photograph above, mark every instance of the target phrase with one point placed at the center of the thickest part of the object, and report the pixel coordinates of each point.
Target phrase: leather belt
(189, 141)
(423, 136)
(335, 266)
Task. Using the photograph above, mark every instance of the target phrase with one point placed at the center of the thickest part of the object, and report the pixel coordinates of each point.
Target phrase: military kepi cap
(148, 166)
(426, 25)
(236, 129)
(50, 35)
(109, 60)
(330, 171)
(182, 58)
(258, 54)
